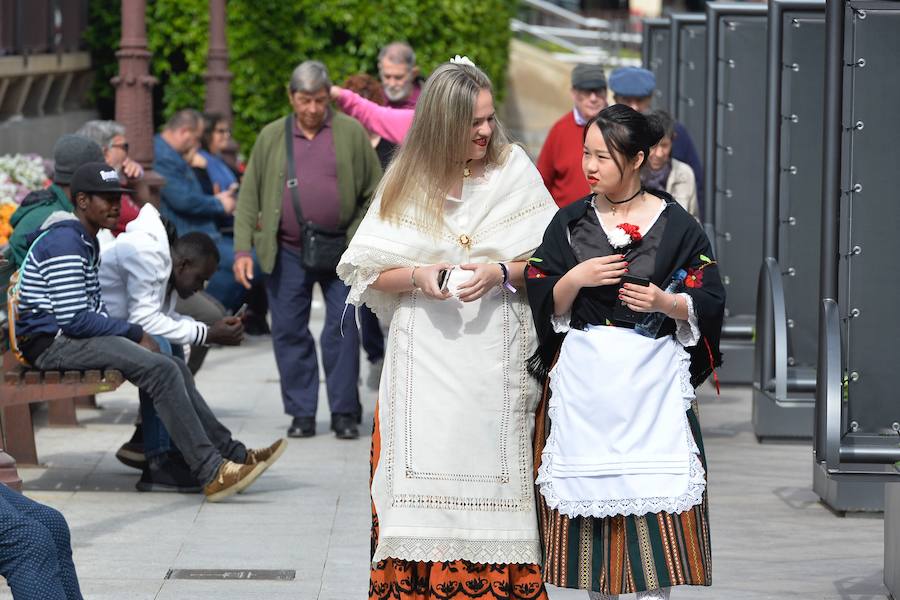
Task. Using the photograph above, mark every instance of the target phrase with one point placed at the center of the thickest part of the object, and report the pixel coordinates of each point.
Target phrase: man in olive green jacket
(334, 178)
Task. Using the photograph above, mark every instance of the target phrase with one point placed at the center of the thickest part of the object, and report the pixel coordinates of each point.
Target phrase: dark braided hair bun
(626, 131)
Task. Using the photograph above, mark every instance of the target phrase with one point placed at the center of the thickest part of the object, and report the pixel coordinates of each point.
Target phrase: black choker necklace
(628, 199)
(615, 203)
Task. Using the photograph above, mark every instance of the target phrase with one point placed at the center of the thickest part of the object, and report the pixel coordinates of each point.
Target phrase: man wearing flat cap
(69, 153)
(560, 158)
(634, 87)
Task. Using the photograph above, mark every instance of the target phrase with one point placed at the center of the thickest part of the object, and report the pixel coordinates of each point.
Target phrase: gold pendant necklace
(466, 170)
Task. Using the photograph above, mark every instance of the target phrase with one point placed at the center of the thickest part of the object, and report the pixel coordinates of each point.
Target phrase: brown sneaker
(266, 456)
(230, 479)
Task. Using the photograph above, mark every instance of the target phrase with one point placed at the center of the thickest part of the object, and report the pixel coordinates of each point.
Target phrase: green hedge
(268, 38)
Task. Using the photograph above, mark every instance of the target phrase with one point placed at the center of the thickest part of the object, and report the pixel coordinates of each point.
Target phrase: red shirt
(560, 161)
(128, 212)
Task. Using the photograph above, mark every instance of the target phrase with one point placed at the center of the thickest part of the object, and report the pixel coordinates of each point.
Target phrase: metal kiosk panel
(656, 49)
(688, 74)
(858, 379)
(735, 168)
(892, 538)
(787, 293)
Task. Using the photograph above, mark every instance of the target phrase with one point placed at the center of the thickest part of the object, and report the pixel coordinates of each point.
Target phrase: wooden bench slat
(114, 377)
(92, 376)
(22, 386)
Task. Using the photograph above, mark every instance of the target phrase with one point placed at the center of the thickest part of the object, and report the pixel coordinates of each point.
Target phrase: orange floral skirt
(393, 579)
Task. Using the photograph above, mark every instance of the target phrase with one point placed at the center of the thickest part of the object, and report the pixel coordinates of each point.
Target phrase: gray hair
(398, 53)
(309, 77)
(101, 132)
(186, 117)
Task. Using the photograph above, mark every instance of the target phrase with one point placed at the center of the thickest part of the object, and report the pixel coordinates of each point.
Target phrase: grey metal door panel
(800, 197)
(740, 155)
(871, 284)
(857, 404)
(690, 107)
(658, 61)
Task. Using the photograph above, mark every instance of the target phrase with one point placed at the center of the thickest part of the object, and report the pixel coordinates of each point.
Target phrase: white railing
(583, 39)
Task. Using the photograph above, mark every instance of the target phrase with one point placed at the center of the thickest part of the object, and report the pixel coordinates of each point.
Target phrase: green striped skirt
(619, 554)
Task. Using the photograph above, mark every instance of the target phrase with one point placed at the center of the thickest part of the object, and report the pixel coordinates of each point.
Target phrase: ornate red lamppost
(134, 95)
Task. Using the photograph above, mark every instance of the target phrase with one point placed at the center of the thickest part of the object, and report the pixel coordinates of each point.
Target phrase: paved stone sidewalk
(310, 512)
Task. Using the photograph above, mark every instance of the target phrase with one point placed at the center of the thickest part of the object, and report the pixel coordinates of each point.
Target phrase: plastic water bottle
(651, 323)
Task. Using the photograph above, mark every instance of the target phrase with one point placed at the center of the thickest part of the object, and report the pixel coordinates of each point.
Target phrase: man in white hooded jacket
(142, 273)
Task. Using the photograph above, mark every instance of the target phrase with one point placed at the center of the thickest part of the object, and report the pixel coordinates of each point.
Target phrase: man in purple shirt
(334, 174)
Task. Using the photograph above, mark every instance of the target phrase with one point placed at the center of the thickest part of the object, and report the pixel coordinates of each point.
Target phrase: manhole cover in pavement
(220, 574)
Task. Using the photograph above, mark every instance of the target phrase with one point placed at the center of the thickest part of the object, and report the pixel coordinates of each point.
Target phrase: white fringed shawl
(456, 408)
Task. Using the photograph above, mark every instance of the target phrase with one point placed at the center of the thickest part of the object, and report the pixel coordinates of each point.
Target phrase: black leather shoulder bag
(322, 248)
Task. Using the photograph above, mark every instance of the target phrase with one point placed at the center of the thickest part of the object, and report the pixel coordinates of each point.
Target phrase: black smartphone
(443, 279)
(621, 312)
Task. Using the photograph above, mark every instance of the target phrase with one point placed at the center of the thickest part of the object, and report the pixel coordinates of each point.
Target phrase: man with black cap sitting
(560, 158)
(62, 324)
(634, 87)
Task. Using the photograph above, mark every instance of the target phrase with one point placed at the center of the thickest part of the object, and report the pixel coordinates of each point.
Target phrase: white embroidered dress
(456, 407)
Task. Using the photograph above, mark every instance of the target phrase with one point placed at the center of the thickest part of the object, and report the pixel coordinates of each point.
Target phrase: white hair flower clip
(462, 60)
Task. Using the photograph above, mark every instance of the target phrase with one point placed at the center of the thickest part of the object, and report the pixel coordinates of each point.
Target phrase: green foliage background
(268, 38)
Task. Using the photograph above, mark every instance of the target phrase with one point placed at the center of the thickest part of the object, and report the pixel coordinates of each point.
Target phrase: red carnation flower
(694, 278)
(532, 272)
(633, 231)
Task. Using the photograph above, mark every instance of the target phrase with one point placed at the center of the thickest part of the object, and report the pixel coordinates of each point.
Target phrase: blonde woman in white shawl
(440, 256)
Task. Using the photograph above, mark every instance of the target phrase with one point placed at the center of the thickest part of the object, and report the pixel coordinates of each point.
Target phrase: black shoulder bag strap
(322, 248)
(292, 182)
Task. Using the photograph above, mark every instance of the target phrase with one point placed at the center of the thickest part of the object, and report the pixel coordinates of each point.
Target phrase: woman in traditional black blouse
(628, 306)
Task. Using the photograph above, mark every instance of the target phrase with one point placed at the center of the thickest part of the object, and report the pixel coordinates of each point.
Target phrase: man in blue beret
(634, 87)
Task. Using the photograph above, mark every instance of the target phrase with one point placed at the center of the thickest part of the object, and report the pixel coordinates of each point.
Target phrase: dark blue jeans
(372, 337)
(156, 438)
(35, 550)
(290, 289)
(222, 285)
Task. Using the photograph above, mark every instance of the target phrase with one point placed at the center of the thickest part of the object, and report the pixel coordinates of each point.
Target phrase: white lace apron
(620, 442)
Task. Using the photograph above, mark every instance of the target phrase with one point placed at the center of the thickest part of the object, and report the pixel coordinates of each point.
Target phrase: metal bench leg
(18, 433)
(61, 413)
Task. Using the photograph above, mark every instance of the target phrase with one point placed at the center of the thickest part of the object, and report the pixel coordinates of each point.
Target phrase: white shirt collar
(579, 120)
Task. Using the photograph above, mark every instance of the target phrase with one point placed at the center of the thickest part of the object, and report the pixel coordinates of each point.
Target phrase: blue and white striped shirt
(60, 286)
